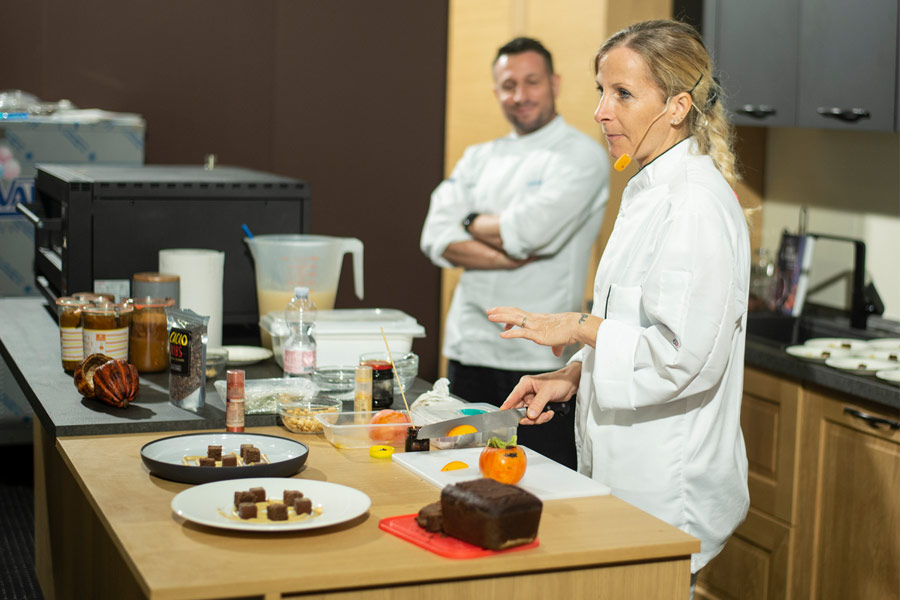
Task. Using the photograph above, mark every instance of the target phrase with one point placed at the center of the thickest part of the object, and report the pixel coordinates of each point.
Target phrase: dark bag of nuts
(187, 358)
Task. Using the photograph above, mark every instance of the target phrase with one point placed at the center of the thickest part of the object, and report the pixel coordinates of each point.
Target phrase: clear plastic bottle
(300, 347)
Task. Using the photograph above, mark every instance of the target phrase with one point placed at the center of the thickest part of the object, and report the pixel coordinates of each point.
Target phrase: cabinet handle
(850, 115)
(757, 112)
(872, 420)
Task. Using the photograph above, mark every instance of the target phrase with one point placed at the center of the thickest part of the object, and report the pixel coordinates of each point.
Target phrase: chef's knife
(488, 421)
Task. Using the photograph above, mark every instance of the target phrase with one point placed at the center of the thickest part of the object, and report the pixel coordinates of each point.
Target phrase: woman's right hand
(536, 391)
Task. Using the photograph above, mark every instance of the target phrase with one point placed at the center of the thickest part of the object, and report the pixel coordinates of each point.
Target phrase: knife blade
(488, 421)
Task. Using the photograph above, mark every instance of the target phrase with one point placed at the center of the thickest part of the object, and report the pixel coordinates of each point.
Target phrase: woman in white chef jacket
(659, 379)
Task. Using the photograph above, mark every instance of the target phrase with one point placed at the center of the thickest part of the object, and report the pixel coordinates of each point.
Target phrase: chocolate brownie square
(252, 455)
(290, 495)
(214, 452)
(277, 512)
(243, 496)
(206, 461)
(259, 494)
(247, 510)
(303, 506)
(244, 448)
(229, 460)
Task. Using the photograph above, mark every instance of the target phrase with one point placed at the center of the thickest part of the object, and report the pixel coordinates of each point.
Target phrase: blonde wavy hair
(678, 62)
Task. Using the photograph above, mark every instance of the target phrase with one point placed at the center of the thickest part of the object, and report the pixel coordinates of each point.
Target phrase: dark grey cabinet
(828, 64)
(754, 45)
(848, 64)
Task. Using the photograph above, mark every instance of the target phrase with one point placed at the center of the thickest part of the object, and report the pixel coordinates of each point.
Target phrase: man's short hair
(525, 44)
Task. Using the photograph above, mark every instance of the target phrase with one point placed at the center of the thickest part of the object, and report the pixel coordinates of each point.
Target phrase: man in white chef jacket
(519, 214)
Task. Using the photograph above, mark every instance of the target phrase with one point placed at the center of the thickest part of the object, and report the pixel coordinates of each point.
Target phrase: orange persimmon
(392, 436)
(502, 461)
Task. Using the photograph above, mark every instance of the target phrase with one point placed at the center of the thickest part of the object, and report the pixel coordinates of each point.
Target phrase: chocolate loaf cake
(429, 517)
(490, 514)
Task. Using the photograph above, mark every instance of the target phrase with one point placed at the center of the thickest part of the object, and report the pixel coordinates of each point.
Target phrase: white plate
(201, 504)
(891, 355)
(892, 375)
(816, 353)
(246, 355)
(841, 343)
(860, 366)
(884, 344)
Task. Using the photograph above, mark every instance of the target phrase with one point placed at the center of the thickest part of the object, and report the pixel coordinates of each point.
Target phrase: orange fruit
(392, 436)
(461, 430)
(454, 465)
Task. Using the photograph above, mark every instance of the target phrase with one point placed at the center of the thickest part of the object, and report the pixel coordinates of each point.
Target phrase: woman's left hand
(556, 330)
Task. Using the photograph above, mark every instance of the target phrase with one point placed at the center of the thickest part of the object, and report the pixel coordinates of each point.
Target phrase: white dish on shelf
(884, 344)
(816, 353)
(840, 343)
(240, 356)
(860, 366)
(890, 375)
(208, 504)
(875, 354)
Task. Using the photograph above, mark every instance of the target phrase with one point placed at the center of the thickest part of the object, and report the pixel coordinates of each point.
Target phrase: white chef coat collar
(663, 167)
(541, 136)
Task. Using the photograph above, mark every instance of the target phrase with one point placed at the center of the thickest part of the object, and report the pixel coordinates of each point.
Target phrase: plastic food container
(353, 430)
(343, 334)
(433, 414)
(299, 416)
(261, 396)
(216, 363)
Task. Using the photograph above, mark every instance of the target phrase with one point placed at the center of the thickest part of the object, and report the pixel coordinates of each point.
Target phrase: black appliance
(108, 222)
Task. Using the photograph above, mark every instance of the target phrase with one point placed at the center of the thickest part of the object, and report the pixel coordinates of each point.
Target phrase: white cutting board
(545, 478)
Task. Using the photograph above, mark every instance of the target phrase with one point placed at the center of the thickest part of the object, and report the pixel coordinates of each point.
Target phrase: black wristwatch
(467, 222)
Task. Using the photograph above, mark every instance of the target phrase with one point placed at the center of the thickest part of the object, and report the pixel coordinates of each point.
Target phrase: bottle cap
(235, 378)
(301, 291)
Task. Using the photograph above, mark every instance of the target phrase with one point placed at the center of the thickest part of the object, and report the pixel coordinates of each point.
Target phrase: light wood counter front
(105, 528)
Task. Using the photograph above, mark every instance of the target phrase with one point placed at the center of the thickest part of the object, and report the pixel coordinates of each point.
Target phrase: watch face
(468, 220)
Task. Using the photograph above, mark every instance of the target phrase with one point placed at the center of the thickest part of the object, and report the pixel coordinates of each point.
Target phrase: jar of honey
(71, 344)
(105, 328)
(148, 342)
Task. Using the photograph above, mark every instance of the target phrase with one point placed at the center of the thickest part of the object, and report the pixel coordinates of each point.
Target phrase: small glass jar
(105, 329)
(382, 383)
(71, 344)
(148, 342)
(413, 444)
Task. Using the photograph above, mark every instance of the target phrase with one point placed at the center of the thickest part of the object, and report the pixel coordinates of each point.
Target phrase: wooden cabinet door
(752, 566)
(769, 423)
(849, 523)
(848, 61)
(755, 53)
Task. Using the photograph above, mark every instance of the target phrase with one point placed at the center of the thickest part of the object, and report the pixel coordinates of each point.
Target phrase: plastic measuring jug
(284, 261)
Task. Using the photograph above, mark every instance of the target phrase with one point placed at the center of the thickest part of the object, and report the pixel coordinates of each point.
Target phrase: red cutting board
(406, 528)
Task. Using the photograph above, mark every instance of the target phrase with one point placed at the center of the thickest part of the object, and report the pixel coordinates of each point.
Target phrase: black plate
(164, 456)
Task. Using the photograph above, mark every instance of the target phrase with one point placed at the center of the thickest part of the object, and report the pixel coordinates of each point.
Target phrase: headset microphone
(623, 161)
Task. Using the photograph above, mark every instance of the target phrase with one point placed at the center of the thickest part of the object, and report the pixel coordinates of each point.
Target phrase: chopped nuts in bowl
(299, 415)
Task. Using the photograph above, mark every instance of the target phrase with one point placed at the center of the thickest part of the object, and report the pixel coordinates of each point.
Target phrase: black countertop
(29, 343)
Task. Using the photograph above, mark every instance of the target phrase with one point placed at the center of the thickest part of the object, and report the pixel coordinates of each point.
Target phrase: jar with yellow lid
(105, 328)
(71, 344)
(148, 342)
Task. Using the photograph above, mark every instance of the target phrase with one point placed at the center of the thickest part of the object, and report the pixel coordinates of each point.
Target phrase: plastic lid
(352, 321)
(155, 277)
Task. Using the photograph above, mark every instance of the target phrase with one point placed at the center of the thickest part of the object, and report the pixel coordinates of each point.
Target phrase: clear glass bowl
(299, 416)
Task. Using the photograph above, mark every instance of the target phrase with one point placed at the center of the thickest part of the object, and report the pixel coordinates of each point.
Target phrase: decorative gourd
(113, 381)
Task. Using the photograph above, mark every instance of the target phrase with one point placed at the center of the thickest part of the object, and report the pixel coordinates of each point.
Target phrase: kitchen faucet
(864, 300)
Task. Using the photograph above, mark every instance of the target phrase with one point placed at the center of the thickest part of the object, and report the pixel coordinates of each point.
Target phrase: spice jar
(106, 329)
(148, 342)
(382, 383)
(157, 285)
(71, 344)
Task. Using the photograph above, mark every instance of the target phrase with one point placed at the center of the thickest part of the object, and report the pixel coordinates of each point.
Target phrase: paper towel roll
(201, 273)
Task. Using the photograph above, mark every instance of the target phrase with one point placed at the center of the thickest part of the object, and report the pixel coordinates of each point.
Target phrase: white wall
(850, 182)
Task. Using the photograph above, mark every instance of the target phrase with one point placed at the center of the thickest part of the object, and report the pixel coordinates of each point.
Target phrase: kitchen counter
(29, 343)
(769, 355)
(114, 534)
